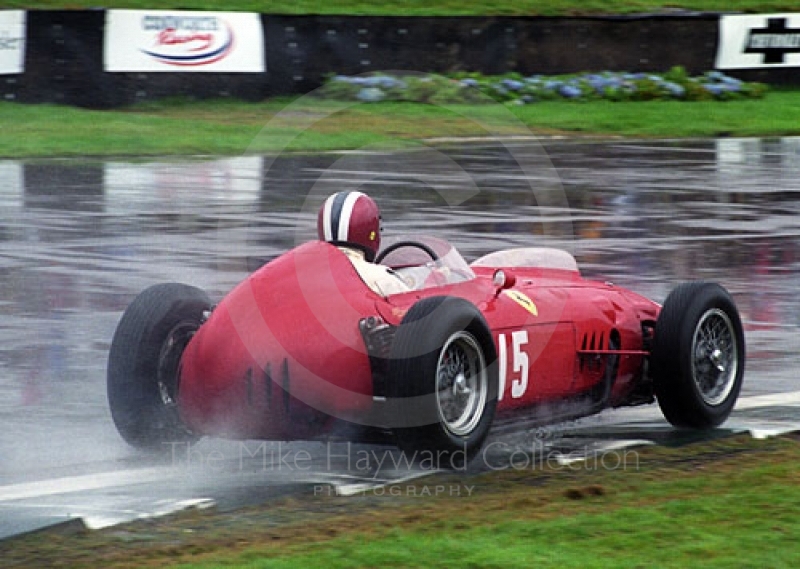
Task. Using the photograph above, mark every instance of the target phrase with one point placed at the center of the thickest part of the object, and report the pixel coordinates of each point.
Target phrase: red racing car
(308, 348)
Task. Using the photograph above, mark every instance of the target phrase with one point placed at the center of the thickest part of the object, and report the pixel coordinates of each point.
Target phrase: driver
(352, 222)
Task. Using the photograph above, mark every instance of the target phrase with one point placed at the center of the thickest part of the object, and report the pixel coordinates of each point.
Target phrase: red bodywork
(282, 356)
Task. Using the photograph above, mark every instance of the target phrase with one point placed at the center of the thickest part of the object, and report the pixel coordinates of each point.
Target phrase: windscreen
(413, 260)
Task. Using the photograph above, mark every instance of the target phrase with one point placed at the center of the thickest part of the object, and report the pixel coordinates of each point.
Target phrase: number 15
(520, 363)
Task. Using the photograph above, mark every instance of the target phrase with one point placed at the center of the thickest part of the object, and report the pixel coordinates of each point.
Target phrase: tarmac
(80, 238)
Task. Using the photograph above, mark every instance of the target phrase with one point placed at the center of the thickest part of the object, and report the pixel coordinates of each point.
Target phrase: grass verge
(231, 127)
(728, 503)
(425, 8)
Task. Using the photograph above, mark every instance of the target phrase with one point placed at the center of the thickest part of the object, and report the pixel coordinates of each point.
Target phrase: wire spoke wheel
(143, 372)
(461, 383)
(169, 361)
(714, 356)
(698, 356)
(442, 380)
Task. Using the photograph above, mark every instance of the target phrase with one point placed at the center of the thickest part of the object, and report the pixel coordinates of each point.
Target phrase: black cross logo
(774, 41)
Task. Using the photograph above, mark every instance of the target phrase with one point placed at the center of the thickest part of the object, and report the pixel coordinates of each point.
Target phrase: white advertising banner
(155, 40)
(760, 41)
(12, 42)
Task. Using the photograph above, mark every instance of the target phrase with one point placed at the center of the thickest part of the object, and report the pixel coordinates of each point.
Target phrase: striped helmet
(352, 219)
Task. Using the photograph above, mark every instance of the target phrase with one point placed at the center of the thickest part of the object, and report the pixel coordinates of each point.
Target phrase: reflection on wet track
(79, 239)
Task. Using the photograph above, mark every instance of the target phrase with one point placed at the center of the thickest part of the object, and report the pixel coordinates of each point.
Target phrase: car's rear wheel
(698, 356)
(144, 361)
(442, 381)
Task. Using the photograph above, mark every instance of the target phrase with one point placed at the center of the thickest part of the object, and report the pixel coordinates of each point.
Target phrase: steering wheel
(395, 246)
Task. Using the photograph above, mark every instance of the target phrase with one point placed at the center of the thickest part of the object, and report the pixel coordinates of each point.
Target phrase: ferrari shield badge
(523, 300)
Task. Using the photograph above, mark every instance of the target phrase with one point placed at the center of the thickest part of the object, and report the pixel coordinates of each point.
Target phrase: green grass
(739, 512)
(744, 528)
(425, 8)
(231, 127)
(216, 127)
(732, 502)
(777, 114)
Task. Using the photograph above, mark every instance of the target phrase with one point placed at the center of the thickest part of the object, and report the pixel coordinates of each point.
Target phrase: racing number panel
(529, 370)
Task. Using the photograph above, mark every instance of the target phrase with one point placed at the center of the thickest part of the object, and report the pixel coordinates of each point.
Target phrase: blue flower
(370, 95)
(598, 85)
(512, 84)
(373, 81)
(674, 89)
(724, 87)
(604, 84)
(401, 84)
(569, 91)
(613, 81)
(597, 82)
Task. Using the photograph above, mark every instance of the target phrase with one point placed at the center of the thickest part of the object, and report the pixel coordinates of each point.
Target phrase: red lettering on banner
(170, 36)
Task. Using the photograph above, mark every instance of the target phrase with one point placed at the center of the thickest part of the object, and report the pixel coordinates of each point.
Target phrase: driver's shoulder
(380, 278)
(352, 254)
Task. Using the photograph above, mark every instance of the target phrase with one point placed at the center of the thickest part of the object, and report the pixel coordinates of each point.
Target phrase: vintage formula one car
(304, 348)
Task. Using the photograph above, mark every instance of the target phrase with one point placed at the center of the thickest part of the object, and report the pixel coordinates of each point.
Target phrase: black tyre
(698, 356)
(144, 360)
(442, 381)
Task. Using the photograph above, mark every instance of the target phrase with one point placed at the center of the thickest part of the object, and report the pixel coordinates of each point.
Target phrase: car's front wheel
(698, 356)
(442, 381)
(144, 362)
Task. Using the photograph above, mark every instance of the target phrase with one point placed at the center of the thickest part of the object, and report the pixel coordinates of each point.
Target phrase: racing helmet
(351, 219)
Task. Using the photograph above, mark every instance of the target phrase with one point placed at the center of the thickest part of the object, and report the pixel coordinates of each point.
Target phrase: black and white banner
(155, 40)
(759, 41)
(12, 41)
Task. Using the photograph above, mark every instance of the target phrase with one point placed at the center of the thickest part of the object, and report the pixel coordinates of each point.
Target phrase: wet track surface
(78, 240)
